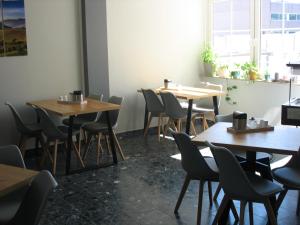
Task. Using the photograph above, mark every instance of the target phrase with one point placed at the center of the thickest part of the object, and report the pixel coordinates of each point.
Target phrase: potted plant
(250, 70)
(223, 71)
(208, 58)
(236, 71)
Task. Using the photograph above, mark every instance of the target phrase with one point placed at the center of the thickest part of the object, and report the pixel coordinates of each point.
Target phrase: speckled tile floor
(139, 191)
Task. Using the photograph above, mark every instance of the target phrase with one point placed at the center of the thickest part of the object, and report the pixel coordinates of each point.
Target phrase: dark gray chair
(155, 109)
(100, 128)
(260, 156)
(242, 186)
(9, 204)
(35, 199)
(197, 167)
(26, 130)
(84, 118)
(289, 176)
(55, 134)
(174, 111)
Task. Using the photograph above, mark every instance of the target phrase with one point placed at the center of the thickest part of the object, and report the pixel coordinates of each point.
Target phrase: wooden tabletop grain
(283, 140)
(188, 93)
(12, 178)
(60, 109)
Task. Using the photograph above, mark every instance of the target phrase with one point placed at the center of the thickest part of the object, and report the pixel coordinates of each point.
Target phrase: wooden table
(73, 110)
(283, 140)
(190, 94)
(13, 178)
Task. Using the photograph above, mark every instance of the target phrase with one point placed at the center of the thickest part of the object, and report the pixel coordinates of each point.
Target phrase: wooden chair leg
(87, 147)
(242, 212)
(148, 125)
(210, 193)
(119, 146)
(99, 148)
(22, 144)
(167, 127)
(174, 125)
(193, 127)
(107, 144)
(217, 192)
(55, 157)
(201, 186)
(181, 195)
(78, 154)
(270, 212)
(179, 125)
(81, 135)
(251, 213)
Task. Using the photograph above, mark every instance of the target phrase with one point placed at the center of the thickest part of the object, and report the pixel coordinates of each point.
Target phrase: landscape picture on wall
(12, 28)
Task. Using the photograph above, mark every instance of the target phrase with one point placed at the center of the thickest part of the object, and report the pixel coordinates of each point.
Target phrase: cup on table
(263, 123)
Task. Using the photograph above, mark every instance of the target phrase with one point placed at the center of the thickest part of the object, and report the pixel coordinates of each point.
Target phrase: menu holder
(250, 130)
(67, 102)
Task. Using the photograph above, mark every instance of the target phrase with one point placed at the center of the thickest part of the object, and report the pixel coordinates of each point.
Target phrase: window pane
(231, 31)
(280, 39)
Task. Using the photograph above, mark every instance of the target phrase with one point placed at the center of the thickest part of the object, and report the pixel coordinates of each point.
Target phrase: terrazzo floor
(142, 190)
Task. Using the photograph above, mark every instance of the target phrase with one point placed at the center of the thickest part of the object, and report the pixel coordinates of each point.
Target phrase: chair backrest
(49, 128)
(11, 155)
(224, 118)
(172, 106)
(91, 116)
(114, 114)
(18, 120)
(152, 101)
(233, 178)
(31, 208)
(294, 161)
(191, 159)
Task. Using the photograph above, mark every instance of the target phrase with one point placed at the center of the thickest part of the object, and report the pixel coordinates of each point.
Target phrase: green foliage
(228, 97)
(208, 56)
(249, 66)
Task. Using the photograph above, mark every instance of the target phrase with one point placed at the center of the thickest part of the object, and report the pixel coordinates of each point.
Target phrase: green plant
(228, 97)
(247, 67)
(208, 56)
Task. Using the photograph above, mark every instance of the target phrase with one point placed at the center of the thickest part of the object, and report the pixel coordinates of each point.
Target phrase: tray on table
(250, 130)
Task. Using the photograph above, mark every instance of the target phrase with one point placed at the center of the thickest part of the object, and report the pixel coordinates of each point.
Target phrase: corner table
(72, 110)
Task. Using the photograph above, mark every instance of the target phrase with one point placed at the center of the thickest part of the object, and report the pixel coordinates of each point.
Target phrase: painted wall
(53, 65)
(149, 40)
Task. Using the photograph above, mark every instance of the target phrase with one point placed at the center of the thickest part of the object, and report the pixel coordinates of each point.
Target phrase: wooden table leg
(189, 117)
(70, 134)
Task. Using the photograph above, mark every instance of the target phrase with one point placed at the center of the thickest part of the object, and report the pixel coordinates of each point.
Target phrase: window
(264, 31)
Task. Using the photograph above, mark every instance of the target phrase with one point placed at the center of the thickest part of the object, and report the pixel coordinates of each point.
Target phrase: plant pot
(252, 75)
(235, 74)
(209, 69)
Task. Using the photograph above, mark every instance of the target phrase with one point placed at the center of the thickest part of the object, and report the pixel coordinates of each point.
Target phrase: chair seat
(96, 127)
(288, 176)
(157, 114)
(33, 128)
(263, 186)
(64, 133)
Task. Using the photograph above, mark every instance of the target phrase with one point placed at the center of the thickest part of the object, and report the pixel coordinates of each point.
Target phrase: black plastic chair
(289, 176)
(260, 156)
(242, 186)
(9, 204)
(100, 128)
(155, 109)
(26, 130)
(55, 134)
(197, 167)
(35, 199)
(174, 111)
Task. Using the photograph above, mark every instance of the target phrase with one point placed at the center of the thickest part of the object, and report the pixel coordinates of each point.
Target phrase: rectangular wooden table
(190, 94)
(72, 110)
(13, 178)
(283, 140)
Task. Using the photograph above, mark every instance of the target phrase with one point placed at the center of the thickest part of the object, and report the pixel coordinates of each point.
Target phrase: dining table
(13, 178)
(189, 94)
(72, 110)
(282, 140)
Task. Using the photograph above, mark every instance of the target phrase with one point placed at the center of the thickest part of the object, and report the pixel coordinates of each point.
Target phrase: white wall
(53, 64)
(149, 40)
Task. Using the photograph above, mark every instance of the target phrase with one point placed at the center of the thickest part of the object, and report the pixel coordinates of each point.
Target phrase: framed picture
(12, 28)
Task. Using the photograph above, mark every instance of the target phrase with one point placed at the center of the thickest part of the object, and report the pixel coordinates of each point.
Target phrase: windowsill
(260, 81)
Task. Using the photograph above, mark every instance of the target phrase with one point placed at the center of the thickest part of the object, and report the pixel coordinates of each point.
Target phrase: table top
(190, 92)
(12, 178)
(283, 140)
(91, 106)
